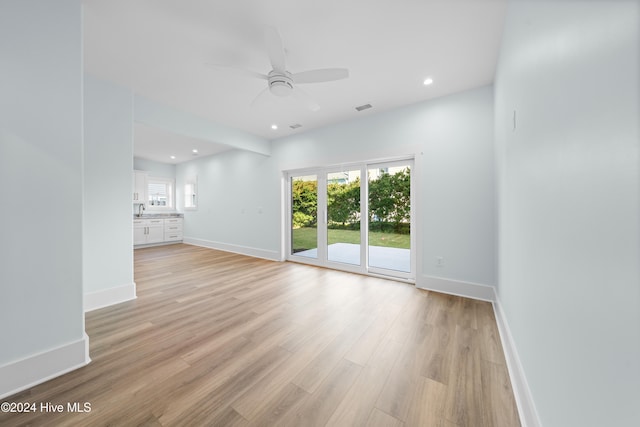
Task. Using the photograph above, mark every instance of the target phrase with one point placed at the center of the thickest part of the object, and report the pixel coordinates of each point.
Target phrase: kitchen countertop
(159, 215)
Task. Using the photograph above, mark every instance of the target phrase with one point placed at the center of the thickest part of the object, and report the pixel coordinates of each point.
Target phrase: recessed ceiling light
(428, 81)
(173, 157)
(195, 151)
(274, 127)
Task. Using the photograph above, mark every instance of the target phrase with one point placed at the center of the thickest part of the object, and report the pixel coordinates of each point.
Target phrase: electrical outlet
(439, 261)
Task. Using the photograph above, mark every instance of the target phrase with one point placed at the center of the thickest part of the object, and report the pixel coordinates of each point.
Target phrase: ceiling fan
(283, 83)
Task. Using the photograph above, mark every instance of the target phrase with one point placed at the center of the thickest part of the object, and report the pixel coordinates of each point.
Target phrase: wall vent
(363, 107)
(296, 126)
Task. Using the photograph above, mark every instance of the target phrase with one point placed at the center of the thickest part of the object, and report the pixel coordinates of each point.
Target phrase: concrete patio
(395, 259)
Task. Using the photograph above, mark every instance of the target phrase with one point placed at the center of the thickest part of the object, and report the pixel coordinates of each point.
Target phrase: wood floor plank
(318, 369)
(427, 404)
(500, 407)
(439, 351)
(316, 409)
(281, 404)
(266, 392)
(216, 338)
(403, 380)
(355, 409)
(363, 348)
(382, 419)
(465, 400)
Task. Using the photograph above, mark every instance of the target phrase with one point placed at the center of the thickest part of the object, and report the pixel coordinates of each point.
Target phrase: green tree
(343, 203)
(390, 200)
(304, 203)
(389, 203)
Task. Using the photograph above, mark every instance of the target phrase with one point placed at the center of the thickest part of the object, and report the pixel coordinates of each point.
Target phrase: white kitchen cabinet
(155, 231)
(139, 233)
(140, 184)
(172, 229)
(148, 231)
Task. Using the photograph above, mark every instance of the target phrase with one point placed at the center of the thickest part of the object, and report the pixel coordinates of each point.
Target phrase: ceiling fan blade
(259, 97)
(275, 49)
(304, 98)
(322, 75)
(237, 70)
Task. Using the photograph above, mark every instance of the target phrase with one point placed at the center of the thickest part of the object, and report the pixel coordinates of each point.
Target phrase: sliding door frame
(322, 243)
(411, 274)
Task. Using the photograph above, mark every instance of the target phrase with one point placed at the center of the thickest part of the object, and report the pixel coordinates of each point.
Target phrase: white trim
(521, 391)
(38, 368)
(456, 287)
(163, 243)
(110, 296)
(237, 249)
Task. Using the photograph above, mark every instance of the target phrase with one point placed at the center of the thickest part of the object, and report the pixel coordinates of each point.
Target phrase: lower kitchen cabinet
(156, 230)
(172, 229)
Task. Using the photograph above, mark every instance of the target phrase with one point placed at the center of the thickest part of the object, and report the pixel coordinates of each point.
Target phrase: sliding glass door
(304, 215)
(389, 215)
(356, 218)
(343, 217)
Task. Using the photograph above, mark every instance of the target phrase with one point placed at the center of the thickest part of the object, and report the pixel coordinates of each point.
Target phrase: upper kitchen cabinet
(140, 186)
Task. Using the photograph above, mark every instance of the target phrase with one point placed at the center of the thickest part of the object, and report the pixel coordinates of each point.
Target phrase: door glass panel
(304, 216)
(389, 215)
(343, 217)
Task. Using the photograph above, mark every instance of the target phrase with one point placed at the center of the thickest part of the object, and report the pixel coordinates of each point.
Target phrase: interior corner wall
(41, 173)
(108, 158)
(568, 178)
(238, 203)
(240, 193)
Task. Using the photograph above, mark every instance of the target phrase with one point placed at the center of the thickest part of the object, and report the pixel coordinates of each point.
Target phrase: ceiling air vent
(296, 126)
(363, 107)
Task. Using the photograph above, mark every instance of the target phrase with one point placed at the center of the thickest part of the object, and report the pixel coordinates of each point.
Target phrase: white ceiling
(161, 145)
(159, 49)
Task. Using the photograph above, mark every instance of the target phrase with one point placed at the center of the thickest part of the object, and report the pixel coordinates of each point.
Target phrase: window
(191, 194)
(160, 194)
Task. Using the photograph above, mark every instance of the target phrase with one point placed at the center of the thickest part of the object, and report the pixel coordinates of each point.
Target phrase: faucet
(140, 209)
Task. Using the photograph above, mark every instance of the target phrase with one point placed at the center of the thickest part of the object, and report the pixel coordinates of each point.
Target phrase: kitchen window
(160, 194)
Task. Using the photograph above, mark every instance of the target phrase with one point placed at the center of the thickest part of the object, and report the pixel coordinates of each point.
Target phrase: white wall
(108, 158)
(232, 188)
(41, 173)
(451, 137)
(568, 206)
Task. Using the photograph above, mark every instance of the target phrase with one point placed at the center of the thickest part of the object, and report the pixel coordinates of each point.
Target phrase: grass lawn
(306, 238)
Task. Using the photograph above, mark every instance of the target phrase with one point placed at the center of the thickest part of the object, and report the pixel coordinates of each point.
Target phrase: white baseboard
(33, 370)
(456, 287)
(110, 296)
(521, 391)
(242, 250)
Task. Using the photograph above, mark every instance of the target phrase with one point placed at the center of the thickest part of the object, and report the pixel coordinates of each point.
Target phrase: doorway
(355, 218)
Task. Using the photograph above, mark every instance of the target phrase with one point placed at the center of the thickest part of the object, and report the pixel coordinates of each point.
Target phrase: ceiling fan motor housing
(280, 84)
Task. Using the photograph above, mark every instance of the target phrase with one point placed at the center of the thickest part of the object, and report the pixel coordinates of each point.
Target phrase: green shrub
(389, 203)
(301, 219)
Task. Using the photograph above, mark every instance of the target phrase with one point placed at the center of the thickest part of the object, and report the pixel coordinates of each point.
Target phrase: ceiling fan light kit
(281, 82)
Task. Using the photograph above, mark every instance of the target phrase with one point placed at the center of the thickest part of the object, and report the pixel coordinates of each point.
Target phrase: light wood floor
(217, 339)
